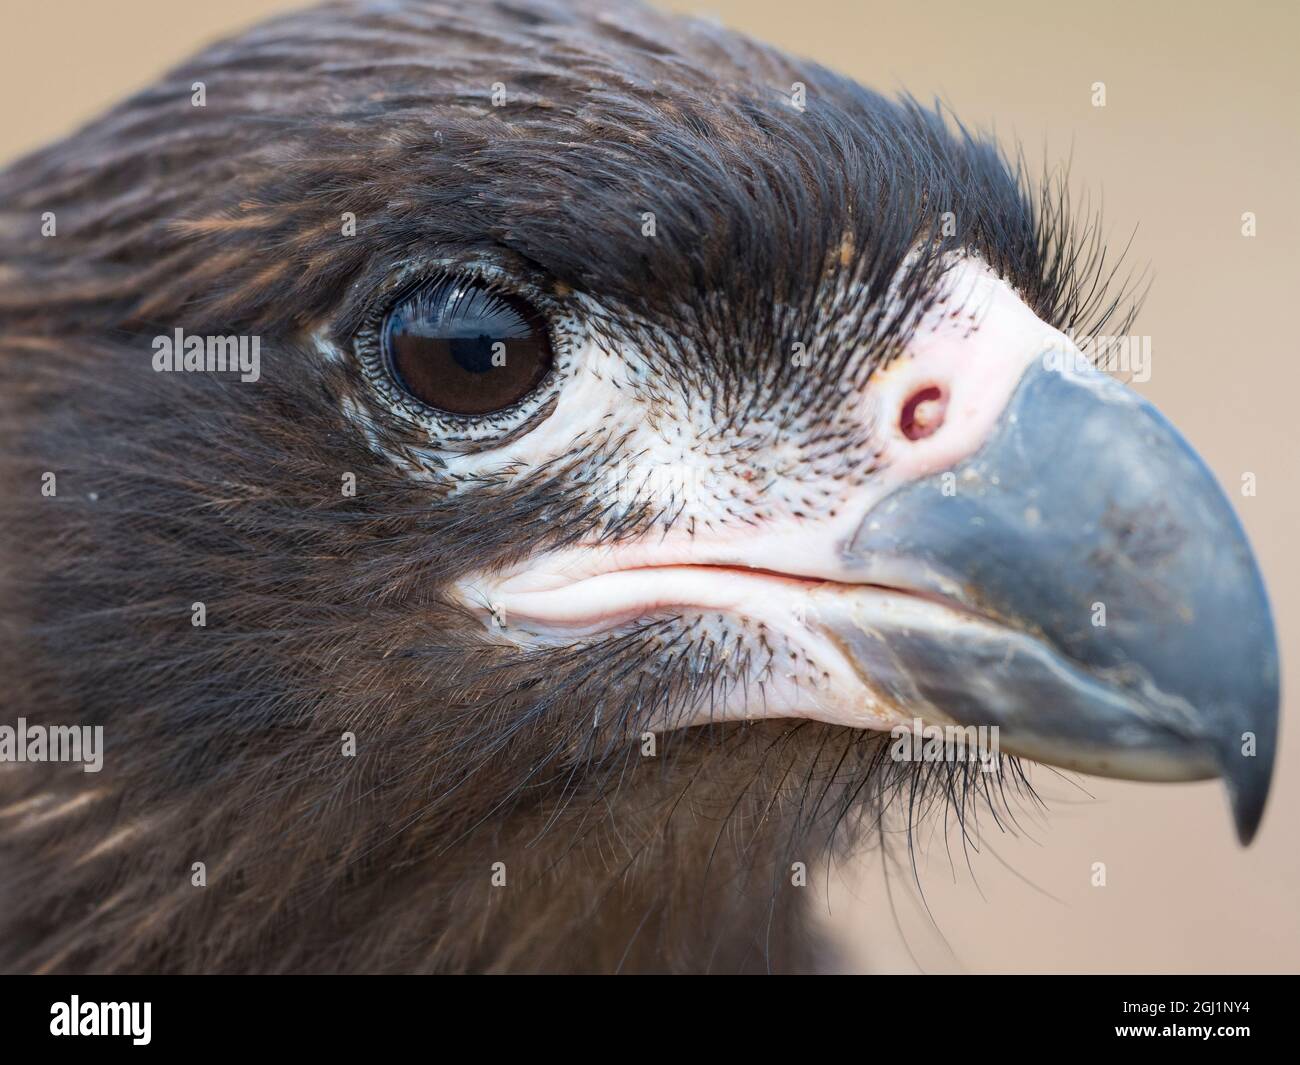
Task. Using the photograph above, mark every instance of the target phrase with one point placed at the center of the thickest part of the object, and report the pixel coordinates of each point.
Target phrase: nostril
(923, 412)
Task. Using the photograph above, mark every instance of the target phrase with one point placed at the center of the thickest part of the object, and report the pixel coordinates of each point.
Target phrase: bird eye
(463, 347)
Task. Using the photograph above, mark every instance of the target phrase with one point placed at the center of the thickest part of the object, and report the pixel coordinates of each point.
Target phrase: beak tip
(1247, 780)
(1247, 815)
(1247, 750)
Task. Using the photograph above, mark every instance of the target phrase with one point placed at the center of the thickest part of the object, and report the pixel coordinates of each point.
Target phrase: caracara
(498, 472)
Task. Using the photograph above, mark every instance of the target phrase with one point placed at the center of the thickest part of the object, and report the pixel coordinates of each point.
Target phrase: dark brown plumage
(326, 613)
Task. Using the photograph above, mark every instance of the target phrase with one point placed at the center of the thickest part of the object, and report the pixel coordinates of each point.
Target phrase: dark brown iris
(462, 347)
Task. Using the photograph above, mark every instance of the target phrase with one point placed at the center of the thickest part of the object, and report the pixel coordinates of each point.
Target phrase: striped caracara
(497, 472)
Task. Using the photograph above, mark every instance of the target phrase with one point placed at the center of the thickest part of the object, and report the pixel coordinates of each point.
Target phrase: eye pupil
(464, 348)
(473, 356)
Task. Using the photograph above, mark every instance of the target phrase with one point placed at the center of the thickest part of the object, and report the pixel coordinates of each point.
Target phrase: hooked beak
(1115, 621)
(1040, 551)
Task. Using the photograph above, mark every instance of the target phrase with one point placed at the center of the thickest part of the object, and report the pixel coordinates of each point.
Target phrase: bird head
(628, 411)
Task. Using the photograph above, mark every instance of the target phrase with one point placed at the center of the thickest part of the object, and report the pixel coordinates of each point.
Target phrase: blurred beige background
(1201, 124)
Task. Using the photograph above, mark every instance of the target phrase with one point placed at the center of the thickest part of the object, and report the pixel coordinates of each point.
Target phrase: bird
(509, 480)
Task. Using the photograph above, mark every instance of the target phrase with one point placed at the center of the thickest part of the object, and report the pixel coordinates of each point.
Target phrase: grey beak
(1111, 616)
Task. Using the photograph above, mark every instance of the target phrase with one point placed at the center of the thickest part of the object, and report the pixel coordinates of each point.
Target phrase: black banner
(341, 1014)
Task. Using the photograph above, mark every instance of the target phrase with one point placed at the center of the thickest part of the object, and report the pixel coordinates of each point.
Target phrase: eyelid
(472, 447)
